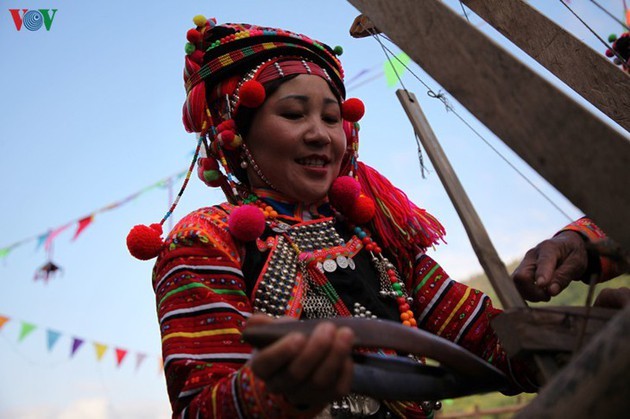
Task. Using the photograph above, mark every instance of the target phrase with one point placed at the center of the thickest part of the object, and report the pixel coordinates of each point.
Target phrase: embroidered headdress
(227, 68)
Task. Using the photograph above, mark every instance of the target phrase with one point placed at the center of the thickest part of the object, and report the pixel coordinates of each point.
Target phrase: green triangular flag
(395, 68)
(27, 329)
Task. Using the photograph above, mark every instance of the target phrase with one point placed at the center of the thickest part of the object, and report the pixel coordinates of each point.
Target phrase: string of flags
(46, 239)
(26, 329)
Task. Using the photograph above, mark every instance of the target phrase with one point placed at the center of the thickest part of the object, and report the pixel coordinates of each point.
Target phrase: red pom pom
(363, 210)
(228, 124)
(343, 193)
(193, 36)
(247, 223)
(352, 109)
(196, 56)
(251, 94)
(144, 242)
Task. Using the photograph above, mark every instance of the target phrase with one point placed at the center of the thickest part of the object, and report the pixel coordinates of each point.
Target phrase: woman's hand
(309, 371)
(549, 267)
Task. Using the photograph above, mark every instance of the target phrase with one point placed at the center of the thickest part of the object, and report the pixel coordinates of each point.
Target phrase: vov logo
(33, 20)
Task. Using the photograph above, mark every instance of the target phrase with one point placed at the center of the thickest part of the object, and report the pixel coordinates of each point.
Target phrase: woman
(308, 232)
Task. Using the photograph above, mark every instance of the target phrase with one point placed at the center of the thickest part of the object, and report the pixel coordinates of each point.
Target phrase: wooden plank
(555, 329)
(586, 71)
(583, 157)
(485, 251)
(594, 383)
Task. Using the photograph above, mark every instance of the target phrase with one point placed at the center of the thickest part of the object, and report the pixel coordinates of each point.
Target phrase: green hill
(574, 295)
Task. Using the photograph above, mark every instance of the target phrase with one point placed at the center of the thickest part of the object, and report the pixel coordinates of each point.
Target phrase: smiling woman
(297, 138)
(308, 232)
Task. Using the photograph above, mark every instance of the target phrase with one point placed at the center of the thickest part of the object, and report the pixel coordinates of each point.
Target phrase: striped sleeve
(462, 315)
(202, 309)
(603, 265)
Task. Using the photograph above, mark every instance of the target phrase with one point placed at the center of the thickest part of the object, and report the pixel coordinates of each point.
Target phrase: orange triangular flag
(100, 350)
(120, 355)
(3, 321)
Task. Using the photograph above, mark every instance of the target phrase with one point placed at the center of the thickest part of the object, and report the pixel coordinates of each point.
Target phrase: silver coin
(351, 264)
(330, 265)
(281, 228)
(320, 267)
(342, 261)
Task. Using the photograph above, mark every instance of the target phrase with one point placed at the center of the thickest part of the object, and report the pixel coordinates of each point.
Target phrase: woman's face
(297, 139)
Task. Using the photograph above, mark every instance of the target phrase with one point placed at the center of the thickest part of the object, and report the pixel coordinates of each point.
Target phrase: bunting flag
(3, 321)
(4, 252)
(100, 349)
(52, 338)
(395, 68)
(83, 223)
(140, 357)
(47, 238)
(27, 329)
(120, 355)
(76, 344)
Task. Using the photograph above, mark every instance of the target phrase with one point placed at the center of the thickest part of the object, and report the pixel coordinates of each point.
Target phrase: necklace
(301, 255)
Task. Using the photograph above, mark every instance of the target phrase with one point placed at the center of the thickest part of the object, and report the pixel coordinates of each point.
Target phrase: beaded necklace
(320, 297)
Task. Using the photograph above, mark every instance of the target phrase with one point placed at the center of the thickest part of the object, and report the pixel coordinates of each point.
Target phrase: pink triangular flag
(53, 234)
(140, 357)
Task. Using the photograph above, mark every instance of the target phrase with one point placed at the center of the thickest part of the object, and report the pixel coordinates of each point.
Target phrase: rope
(440, 96)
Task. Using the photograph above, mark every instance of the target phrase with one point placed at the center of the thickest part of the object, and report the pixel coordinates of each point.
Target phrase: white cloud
(92, 408)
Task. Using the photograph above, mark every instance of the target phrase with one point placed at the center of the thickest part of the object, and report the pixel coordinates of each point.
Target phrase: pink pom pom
(352, 109)
(363, 210)
(144, 242)
(251, 94)
(344, 192)
(246, 223)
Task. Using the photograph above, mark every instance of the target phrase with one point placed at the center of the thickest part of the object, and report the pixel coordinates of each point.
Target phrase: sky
(91, 115)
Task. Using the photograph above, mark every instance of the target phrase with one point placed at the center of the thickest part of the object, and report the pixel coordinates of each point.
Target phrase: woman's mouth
(313, 161)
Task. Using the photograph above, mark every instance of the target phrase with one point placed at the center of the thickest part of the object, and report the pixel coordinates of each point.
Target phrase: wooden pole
(583, 157)
(486, 253)
(587, 72)
(477, 234)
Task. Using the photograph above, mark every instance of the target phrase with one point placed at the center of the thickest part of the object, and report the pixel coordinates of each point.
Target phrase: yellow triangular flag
(100, 350)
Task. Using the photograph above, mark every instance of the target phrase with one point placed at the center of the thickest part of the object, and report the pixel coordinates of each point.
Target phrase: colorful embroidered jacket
(207, 285)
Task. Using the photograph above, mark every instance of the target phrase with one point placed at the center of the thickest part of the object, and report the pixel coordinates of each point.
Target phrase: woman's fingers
(274, 359)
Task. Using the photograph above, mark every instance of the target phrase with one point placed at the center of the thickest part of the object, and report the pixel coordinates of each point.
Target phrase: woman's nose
(317, 133)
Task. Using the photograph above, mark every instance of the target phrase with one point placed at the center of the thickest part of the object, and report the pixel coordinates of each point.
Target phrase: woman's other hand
(549, 267)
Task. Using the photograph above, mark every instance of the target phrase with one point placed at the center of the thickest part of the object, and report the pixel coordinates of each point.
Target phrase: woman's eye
(331, 119)
(291, 115)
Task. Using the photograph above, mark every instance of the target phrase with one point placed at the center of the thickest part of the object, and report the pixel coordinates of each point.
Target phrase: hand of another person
(549, 267)
(613, 298)
(309, 371)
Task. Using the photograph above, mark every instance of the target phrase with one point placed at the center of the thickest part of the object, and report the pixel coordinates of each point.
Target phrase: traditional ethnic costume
(358, 253)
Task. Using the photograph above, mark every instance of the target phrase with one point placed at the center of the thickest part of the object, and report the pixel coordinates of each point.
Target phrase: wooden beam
(583, 157)
(587, 72)
(485, 251)
(594, 383)
(549, 329)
